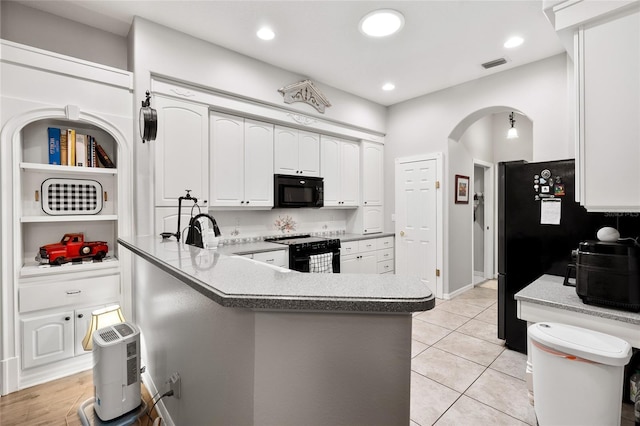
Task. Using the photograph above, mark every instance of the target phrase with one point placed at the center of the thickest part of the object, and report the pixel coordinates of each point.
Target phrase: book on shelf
(54, 145)
(81, 150)
(92, 160)
(103, 157)
(71, 147)
(63, 148)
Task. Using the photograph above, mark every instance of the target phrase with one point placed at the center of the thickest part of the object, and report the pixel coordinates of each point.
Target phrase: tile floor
(462, 374)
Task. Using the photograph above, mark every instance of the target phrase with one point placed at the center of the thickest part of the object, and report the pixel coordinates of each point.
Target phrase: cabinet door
(371, 219)
(309, 153)
(368, 263)
(330, 170)
(350, 264)
(227, 160)
(372, 174)
(610, 104)
(181, 151)
(350, 174)
(286, 151)
(258, 164)
(47, 338)
(166, 219)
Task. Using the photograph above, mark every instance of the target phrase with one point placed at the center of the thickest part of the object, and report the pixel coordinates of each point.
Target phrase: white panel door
(47, 339)
(258, 167)
(181, 151)
(166, 219)
(309, 153)
(286, 151)
(350, 174)
(330, 170)
(226, 160)
(416, 206)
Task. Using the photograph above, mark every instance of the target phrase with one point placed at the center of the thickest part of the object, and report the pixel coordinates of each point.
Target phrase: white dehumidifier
(116, 370)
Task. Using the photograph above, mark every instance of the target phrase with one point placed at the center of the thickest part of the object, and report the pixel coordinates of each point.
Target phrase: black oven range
(311, 254)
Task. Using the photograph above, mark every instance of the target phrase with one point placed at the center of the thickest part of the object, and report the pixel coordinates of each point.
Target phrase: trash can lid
(588, 344)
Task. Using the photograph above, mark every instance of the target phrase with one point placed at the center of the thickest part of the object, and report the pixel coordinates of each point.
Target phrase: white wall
(513, 149)
(424, 125)
(25, 25)
(155, 49)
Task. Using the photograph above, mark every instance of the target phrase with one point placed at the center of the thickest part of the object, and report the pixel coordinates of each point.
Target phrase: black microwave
(298, 191)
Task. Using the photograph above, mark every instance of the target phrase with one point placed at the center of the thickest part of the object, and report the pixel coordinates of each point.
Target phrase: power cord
(167, 393)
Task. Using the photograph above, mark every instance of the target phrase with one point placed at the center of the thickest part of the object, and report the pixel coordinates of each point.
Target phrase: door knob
(402, 233)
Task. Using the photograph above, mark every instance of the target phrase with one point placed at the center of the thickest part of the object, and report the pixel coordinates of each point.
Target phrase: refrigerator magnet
(558, 189)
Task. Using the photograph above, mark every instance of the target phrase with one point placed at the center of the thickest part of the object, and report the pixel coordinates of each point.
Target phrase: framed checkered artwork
(71, 196)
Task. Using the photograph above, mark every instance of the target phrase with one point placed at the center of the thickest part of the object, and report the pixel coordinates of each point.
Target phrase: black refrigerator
(539, 224)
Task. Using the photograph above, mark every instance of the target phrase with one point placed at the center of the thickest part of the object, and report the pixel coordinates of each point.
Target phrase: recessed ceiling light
(265, 33)
(513, 42)
(388, 86)
(381, 23)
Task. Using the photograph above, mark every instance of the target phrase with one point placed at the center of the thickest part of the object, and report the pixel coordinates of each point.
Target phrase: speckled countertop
(549, 291)
(235, 281)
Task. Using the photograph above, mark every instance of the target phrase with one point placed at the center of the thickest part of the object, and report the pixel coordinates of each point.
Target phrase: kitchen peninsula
(256, 344)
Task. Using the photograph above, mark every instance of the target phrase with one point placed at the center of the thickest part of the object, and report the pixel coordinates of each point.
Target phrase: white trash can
(577, 375)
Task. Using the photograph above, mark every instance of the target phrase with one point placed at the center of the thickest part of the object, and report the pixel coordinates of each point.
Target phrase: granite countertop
(236, 281)
(549, 291)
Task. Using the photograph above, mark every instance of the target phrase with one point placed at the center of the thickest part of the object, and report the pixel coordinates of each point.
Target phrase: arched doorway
(475, 147)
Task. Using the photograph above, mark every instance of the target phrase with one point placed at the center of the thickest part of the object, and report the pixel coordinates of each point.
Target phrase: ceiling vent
(494, 63)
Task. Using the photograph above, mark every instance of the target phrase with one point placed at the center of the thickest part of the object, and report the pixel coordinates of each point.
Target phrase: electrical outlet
(174, 384)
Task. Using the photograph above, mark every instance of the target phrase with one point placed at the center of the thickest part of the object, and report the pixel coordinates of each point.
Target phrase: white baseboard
(9, 375)
(160, 407)
(458, 292)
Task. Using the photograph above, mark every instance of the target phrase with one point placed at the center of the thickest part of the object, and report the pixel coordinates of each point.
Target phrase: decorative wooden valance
(305, 91)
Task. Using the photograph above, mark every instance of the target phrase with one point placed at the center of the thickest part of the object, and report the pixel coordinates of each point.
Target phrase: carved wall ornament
(183, 92)
(302, 119)
(305, 91)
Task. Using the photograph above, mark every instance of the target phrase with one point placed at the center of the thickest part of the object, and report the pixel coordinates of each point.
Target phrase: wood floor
(54, 403)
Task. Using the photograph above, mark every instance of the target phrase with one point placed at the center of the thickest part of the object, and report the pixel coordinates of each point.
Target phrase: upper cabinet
(340, 168)
(604, 40)
(608, 61)
(372, 173)
(181, 150)
(297, 152)
(241, 162)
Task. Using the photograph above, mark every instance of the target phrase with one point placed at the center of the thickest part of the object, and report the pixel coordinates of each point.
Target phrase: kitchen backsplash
(242, 226)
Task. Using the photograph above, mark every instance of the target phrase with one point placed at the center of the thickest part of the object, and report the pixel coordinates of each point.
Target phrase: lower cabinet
(274, 257)
(54, 317)
(370, 256)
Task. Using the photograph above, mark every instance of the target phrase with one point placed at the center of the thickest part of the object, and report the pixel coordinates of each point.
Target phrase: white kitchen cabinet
(297, 152)
(47, 338)
(340, 168)
(241, 166)
(273, 257)
(608, 157)
(181, 150)
(366, 220)
(368, 256)
(372, 173)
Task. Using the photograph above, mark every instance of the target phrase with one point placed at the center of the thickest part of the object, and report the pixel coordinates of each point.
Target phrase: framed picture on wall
(462, 189)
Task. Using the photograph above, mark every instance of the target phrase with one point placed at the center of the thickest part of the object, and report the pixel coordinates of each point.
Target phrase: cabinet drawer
(86, 291)
(386, 266)
(367, 245)
(386, 254)
(348, 248)
(276, 257)
(384, 243)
